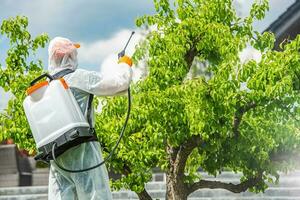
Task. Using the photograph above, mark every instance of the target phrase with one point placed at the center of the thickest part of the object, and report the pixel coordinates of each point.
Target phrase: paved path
(287, 189)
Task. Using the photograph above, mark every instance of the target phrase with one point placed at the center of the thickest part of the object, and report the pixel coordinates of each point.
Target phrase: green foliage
(168, 109)
(15, 75)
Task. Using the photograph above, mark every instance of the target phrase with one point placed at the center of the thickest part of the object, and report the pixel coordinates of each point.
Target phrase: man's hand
(125, 59)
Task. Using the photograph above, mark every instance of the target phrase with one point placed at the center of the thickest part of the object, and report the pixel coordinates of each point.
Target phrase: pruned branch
(235, 188)
(238, 117)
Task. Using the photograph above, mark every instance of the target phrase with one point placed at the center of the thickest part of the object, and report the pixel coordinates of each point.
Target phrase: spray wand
(122, 53)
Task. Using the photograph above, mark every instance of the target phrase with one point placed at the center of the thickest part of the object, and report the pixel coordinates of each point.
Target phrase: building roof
(287, 26)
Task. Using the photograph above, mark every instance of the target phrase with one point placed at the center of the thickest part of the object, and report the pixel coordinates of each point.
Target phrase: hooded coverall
(92, 184)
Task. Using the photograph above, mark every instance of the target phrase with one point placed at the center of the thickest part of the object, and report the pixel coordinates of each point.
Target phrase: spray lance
(122, 53)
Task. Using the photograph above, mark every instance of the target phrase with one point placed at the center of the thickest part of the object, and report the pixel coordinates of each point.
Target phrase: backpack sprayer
(57, 130)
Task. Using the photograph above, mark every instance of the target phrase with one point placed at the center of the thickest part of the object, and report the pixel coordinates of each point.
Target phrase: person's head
(62, 54)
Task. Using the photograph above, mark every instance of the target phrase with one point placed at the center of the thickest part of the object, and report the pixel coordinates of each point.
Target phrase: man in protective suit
(92, 184)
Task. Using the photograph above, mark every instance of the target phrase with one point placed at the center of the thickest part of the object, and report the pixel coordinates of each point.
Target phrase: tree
(19, 70)
(182, 125)
(212, 123)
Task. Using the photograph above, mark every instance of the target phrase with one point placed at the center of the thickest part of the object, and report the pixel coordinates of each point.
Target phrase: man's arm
(101, 84)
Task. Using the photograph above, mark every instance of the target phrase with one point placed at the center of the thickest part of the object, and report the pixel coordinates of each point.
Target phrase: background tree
(19, 70)
(212, 123)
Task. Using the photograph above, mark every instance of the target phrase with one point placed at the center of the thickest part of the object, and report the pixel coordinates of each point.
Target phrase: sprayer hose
(110, 154)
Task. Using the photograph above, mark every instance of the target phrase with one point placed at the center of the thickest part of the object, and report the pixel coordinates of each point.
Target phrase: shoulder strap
(62, 73)
(89, 110)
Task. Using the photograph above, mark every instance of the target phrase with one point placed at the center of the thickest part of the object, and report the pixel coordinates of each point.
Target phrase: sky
(101, 27)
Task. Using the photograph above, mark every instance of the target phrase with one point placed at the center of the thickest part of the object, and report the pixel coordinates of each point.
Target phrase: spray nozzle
(122, 53)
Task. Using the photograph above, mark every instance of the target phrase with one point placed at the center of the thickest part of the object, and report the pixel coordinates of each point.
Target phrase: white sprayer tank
(51, 111)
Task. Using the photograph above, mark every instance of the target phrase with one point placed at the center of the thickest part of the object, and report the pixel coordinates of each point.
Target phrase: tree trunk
(176, 189)
(144, 195)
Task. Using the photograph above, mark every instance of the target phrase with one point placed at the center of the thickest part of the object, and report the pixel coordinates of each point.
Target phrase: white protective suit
(92, 184)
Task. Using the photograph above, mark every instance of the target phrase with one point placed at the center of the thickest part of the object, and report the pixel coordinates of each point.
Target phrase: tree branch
(235, 188)
(238, 117)
(177, 157)
(184, 151)
(242, 110)
(143, 195)
(189, 56)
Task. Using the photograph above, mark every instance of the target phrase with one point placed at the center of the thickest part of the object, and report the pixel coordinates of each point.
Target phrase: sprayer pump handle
(41, 77)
